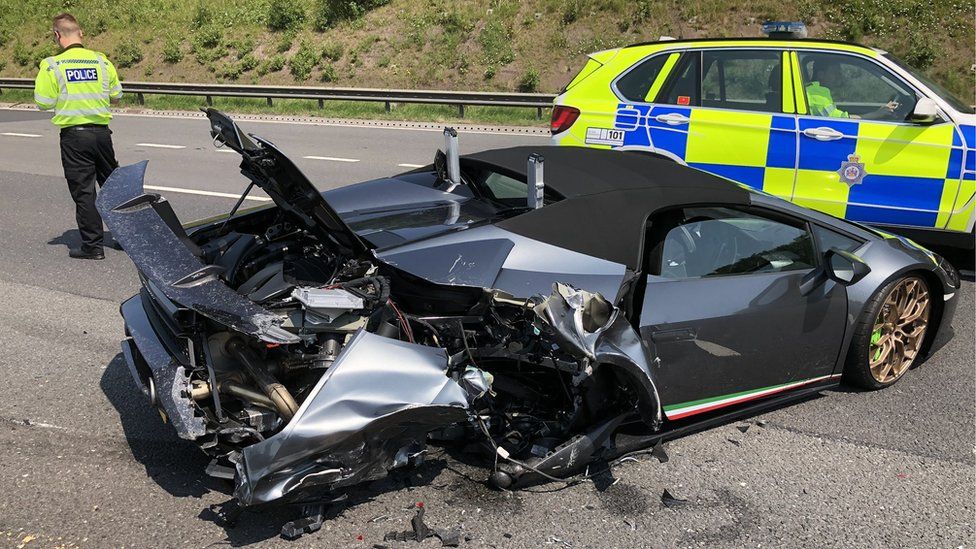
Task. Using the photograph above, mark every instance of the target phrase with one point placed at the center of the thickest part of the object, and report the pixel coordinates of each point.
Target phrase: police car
(838, 127)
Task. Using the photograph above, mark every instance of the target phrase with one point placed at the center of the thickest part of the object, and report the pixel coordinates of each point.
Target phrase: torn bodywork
(304, 361)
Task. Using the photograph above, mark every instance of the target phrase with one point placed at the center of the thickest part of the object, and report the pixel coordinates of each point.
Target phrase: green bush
(329, 74)
(248, 62)
(230, 71)
(243, 46)
(329, 12)
(489, 72)
(208, 37)
(172, 51)
(272, 64)
(496, 43)
(285, 42)
(301, 64)
(21, 54)
(202, 15)
(529, 82)
(332, 51)
(127, 54)
(285, 14)
(4, 36)
(572, 9)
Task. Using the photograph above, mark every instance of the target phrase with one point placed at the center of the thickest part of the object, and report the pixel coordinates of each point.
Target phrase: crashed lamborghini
(548, 306)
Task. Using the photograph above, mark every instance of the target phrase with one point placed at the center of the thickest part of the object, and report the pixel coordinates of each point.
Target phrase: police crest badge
(852, 171)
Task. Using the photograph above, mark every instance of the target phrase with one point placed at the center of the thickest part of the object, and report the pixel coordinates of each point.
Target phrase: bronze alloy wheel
(899, 330)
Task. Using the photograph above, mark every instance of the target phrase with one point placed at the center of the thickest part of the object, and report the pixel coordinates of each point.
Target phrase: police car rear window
(635, 84)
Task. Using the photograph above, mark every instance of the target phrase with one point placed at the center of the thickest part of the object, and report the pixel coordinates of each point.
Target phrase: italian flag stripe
(685, 409)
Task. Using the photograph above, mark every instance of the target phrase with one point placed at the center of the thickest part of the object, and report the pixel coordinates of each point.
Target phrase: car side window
(683, 85)
(634, 85)
(828, 239)
(717, 241)
(847, 86)
(742, 79)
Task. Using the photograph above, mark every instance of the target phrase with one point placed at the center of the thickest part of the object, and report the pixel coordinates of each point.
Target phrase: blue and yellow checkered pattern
(914, 173)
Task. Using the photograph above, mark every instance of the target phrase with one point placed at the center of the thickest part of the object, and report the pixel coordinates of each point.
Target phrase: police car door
(723, 111)
(861, 160)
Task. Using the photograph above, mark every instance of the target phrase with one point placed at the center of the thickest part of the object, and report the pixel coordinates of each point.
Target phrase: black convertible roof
(607, 196)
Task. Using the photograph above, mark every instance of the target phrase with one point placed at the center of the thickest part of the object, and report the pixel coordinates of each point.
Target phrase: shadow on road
(174, 464)
(178, 465)
(72, 239)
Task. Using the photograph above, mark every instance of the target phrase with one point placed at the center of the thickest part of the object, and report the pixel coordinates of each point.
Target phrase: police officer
(79, 84)
(826, 76)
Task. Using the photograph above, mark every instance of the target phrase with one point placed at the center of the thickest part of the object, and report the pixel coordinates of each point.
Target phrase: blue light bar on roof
(784, 29)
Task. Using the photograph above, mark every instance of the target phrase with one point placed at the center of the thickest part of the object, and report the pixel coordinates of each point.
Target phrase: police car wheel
(889, 335)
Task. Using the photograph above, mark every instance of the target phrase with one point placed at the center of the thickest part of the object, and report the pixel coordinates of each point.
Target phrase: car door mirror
(925, 111)
(844, 267)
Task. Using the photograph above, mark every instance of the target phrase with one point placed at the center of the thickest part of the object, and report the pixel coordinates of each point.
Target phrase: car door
(723, 111)
(862, 161)
(724, 311)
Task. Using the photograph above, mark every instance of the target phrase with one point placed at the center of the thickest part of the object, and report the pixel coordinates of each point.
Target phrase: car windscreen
(946, 95)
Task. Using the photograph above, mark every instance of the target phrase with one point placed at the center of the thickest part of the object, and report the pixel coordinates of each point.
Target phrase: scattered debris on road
(449, 537)
(670, 501)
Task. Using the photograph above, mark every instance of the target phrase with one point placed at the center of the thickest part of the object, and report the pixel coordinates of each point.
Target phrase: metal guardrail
(460, 99)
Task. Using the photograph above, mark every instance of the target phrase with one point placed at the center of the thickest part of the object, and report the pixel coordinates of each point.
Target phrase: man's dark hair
(65, 24)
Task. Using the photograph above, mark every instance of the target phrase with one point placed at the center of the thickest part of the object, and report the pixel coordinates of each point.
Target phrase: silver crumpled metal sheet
(369, 413)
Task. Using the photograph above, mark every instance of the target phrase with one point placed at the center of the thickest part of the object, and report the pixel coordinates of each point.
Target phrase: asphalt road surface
(84, 462)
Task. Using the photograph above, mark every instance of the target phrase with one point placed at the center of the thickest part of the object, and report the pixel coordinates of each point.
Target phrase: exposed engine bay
(520, 376)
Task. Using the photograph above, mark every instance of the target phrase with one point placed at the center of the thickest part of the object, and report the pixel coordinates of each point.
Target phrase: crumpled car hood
(369, 413)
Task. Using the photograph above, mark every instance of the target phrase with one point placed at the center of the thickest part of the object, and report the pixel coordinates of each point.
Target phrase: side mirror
(844, 267)
(925, 112)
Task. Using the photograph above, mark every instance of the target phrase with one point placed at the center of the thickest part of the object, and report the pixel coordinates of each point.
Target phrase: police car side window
(847, 86)
(742, 79)
(683, 84)
(717, 241)
(634, 85)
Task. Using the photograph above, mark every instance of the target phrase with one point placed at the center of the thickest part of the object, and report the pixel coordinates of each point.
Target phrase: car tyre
(888, 337)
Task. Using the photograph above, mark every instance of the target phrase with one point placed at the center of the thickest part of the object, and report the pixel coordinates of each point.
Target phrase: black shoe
(82, 254)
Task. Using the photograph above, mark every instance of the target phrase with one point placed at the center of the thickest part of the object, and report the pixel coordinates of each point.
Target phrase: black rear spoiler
(150, 233)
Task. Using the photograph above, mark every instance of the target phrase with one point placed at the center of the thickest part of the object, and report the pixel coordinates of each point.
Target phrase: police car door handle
(823, 134)
(672, 119)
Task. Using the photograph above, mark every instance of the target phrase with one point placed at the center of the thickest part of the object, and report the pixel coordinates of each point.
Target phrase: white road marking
(15, 134)
(203, 193)
(332, 158)
(160, 146)
(225, 151)
(410, 165)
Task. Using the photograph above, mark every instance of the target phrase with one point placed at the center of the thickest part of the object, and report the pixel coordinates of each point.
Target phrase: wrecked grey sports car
(552, 305)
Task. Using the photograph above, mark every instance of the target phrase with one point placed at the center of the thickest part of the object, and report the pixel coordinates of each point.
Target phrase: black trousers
(87, 156)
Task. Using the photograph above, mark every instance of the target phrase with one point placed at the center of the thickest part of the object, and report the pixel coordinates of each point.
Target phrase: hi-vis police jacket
(78, 84)
(749, 110)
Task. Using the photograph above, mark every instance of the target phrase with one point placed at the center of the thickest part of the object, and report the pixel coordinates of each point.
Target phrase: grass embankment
(527, 45)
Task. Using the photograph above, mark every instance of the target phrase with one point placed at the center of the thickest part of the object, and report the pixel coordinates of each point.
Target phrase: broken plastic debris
(420, 532)
(670, 501)
(762, 423)
(733, 441)
(742, 428)
(658, 452)
(311, 521)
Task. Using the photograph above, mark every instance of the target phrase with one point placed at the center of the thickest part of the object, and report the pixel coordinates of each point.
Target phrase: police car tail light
(563, 118)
